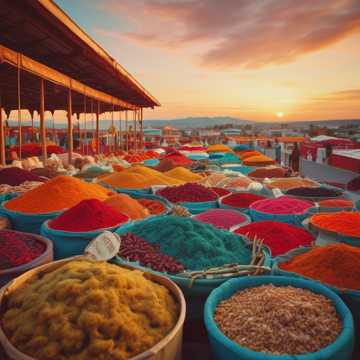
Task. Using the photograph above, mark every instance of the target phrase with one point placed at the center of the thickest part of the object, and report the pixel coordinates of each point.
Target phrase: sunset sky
(252, 59)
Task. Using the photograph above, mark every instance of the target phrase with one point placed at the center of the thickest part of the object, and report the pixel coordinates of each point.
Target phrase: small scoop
(104, 247)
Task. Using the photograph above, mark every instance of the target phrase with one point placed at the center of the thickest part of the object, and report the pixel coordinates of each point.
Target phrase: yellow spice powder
(184, 174)
(89, 310)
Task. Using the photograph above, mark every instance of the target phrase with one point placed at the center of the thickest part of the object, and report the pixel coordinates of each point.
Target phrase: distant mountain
(198, 122)
(328, 123)
(202, 122)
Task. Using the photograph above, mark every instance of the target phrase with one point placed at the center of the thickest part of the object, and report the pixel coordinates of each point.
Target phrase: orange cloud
(244, 32)
(340, 96)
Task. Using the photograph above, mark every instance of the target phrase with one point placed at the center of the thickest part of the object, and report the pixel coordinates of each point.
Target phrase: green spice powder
(196, 245)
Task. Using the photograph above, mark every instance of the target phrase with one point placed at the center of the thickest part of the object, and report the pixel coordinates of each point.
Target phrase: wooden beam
(49, 74)
(70, 127)
(97, 131)
(42, 120)
(2, 137)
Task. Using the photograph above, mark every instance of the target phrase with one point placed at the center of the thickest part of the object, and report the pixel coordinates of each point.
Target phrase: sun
(280, 114)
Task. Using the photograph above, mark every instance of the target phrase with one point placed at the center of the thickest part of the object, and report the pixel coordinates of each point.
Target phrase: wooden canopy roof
(40, 30)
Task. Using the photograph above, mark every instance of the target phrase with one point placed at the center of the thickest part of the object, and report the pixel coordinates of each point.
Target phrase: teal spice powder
(196, 245)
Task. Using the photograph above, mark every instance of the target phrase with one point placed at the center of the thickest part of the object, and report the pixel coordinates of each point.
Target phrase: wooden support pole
(135, 132)
(86, 144)
(19, 104)
(42, 120)
(97, 131)
(82, 140)
(120, 132)
(2, 137)
(113, 131)
(53, 126)
(142, 140)
(126, 132)
(70, 126)
(32, 127)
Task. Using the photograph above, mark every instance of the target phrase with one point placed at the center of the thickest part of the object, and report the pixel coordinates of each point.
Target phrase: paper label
(277, 192)
(104, 247)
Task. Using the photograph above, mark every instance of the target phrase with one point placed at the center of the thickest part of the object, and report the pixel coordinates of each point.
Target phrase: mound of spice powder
(241, 200)
(259, 160)
(125, 204)
(155, 207)
(15, 176)
(135, 248)
(345, 222)
(18, 248)
(220, 191)
(240, 182)
(196, 245)
(279, 237)
(279, 320)
(288, 183)
(314, 192)
(336, 203)
(59, 193)
(88, 215)
(172, 161)
(138, 177)
(335, 264)
(275, 172)
(221, 218)
(184, 174)
(282, 205)
(213, 179)
(190, 192)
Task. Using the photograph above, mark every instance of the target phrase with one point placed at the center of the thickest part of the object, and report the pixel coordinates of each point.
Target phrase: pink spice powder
(282, 205)
(221, 218)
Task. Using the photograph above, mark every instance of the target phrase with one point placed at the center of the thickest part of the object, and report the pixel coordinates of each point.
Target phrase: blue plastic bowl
(225, 349)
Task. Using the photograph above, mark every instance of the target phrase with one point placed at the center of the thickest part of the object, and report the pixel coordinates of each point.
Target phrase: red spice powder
(135, 248)
(241, 200)
(282, 205)
(220, 191)
(279, 237)
(336, 203)
(221, 218)
(190, 192)
(88, 215)
(18, 248)
(335, 264)
(155, 207)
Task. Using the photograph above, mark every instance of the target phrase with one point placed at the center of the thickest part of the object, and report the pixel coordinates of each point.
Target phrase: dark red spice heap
(135, 248)
(279, 237)
(88, 215)
(220, 191)
(172, 160)
(354, 184)
(314, 192)
(18, 248)
(15, 176)
(189, 192)
(241, 200)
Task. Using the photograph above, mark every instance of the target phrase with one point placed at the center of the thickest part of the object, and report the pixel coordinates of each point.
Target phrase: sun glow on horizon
(280, 114)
